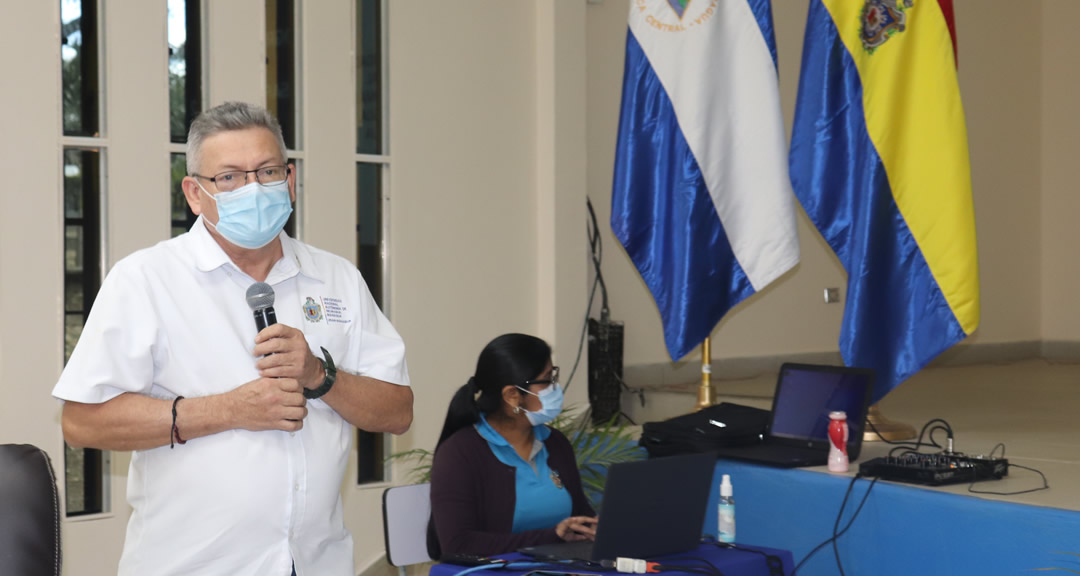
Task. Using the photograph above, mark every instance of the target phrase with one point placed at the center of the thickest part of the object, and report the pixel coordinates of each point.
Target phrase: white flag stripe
(722, 82)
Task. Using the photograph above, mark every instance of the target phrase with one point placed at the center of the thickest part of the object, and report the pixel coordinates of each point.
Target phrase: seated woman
(501, 479)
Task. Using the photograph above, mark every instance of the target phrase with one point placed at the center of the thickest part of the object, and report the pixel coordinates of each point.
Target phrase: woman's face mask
(551, 404)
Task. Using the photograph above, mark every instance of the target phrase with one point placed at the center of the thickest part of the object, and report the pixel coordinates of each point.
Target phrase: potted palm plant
(596, 447)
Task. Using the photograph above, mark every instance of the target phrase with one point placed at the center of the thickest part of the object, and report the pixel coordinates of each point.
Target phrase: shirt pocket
(333, 337)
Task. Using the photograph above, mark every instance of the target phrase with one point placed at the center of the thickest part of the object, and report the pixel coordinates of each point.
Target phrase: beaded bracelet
(175, 434)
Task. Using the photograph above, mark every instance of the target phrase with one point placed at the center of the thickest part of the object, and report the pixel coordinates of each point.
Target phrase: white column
(329, 112)
(562, 254)
(137, 116)
(31, 229)
(236, 39)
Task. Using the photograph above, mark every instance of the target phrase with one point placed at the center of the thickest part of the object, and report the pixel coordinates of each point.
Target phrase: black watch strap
(331, 376)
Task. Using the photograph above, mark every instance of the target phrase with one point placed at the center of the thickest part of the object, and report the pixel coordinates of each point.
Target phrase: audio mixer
(935, 469)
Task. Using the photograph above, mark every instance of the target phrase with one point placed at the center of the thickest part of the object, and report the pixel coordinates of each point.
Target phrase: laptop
(650, 508)
(798, 430)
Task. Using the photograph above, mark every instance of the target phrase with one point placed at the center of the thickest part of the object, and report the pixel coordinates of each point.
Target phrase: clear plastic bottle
(725, 531)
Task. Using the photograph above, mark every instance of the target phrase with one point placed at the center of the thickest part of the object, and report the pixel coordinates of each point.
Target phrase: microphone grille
(260, 295)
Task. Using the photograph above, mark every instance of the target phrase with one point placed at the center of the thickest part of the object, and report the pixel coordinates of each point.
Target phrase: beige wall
(1060, 85)
(31, 285)
(999, 82)
(488, 180)
(463, 145)
(996, 41)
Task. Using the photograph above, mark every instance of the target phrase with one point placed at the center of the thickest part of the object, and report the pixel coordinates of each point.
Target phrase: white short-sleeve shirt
(172, 320)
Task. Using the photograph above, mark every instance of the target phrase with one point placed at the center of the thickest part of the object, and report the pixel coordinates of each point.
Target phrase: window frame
(96, 463)
(204, 85)
(384, 161)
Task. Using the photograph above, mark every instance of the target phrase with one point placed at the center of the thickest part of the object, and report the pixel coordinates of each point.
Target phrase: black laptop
(650, 508)
(798, 429)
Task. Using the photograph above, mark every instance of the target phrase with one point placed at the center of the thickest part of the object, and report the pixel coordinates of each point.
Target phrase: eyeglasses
(553, 380)
(233, 179)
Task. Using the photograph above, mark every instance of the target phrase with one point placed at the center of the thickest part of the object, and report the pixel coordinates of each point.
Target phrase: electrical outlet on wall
(832, 295)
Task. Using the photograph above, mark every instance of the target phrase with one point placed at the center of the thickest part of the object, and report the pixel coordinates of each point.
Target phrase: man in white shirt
(240, 436)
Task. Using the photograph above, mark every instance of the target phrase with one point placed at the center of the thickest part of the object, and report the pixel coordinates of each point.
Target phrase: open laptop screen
(806, 394)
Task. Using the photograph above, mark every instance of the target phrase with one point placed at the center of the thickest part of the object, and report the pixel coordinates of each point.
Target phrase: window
(185, 99)
(82, 166)
(372, 169)
(283, 86)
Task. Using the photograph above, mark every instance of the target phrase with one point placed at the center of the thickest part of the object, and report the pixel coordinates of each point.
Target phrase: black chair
(29, 512)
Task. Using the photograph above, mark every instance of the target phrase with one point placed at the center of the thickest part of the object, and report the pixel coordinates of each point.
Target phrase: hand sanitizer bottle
(726, 512)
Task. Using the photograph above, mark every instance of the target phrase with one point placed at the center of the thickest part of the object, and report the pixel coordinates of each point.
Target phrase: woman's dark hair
(508, 360)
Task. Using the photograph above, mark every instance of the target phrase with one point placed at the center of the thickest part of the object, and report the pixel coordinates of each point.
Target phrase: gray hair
(227, 117)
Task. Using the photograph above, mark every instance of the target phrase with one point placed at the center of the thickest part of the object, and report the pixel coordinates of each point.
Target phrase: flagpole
(705, 391)
(889, 430)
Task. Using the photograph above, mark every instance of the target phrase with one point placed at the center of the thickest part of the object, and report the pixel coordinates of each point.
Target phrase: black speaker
(605, 369)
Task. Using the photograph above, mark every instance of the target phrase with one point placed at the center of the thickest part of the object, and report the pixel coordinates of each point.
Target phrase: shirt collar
(299, 255)
(295, 256)
(487, 432)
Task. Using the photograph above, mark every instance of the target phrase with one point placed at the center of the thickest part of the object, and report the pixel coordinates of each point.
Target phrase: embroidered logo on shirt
(556, 480)
(312, 311)
(336, 311)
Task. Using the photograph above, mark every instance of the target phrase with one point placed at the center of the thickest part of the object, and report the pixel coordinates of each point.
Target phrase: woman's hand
(577, 528)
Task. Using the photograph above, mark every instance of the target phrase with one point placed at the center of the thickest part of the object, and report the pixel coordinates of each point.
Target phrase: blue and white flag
(702, 200)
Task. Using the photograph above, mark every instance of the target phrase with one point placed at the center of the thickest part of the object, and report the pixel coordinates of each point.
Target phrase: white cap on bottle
(725, 485)
(838, 415)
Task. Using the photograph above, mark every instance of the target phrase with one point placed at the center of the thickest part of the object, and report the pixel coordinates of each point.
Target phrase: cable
(919, 443)
(581, 341)
(1045, 486)
(596, 244)
(689, 569)
(772, 562)
(596, 247)
(839, 515)
(712, 567)
(504, 565)
(944, 425)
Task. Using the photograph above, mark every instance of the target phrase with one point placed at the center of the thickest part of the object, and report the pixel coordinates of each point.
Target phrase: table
(903, 529)
(729, 562)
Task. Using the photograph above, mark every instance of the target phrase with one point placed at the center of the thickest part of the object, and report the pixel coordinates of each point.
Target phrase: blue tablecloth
(729, 562)
(902, 529)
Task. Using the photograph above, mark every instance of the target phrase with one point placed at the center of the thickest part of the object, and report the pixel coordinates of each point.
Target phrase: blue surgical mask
(253, 215)
(551, 404)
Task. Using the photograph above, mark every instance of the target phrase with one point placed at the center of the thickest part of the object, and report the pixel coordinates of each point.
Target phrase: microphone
(260, 298)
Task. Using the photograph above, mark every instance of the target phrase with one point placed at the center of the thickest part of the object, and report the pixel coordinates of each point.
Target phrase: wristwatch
(331, 375)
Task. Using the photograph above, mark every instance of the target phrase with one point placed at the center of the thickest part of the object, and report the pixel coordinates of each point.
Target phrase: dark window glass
(82, 279)
(369, 226)
(185, 66)
(369, 57)
(281, 66)
(79, 67)
(290, 224)
(370, 261)
(83, 473)
(369, 448)
(182, 216)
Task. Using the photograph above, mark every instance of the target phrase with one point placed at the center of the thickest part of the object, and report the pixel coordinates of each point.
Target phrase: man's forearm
(137, 422)
(370, 404)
